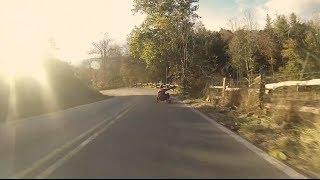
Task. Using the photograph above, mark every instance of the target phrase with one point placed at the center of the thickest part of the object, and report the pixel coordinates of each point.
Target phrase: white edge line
(48, 171)
(278, 164)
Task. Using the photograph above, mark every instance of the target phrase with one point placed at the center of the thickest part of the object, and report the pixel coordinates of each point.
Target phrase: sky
(217, 13)
(26, 25)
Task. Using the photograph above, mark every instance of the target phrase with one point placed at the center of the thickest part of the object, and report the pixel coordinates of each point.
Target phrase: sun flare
(17, 68)
(23, 57)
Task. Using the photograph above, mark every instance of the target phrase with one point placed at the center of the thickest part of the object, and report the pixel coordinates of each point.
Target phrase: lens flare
(23, 57)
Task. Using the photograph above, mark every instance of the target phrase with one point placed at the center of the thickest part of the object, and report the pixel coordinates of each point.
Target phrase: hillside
(60, 89)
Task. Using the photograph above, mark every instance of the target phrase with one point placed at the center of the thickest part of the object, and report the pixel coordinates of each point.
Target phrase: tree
(172, 37)
(115, 50)
(297, 29)
(282, 28)
(268, 51)
(102, 48)
(242, 49)
(293, 19)
(233, 24)
(269, 48)
(293, 59)
(163, 40)
(106, 50)
(208, 58)
(249, 22)
(133, 72)
(312, 49)
(268, 23)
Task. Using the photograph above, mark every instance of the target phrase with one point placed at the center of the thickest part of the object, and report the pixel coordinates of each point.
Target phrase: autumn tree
(163, 40)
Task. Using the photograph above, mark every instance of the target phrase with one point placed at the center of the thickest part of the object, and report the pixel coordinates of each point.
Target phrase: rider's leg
(167, 96)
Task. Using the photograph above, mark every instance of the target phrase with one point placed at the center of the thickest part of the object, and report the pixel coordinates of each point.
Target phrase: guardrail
(273, 86)
(154, 85)
(312, 82)
(261, 91)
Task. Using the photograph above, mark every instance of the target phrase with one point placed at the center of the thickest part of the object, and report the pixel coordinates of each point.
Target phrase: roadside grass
(287, 135)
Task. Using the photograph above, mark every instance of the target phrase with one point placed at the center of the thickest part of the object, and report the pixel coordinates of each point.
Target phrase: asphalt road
(132, 137)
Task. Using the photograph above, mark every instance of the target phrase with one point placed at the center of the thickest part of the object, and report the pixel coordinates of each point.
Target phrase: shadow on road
(154, 140)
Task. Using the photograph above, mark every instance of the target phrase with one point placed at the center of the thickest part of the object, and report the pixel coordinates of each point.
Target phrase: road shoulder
(276, 163)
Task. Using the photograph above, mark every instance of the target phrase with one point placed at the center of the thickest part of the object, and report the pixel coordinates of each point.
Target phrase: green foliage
(133, 72)
(268, 51)
(312, 49)
(171, 41)
(163, 40)
(242, 50)
(268, 23)
(293, 59)
(282, 28)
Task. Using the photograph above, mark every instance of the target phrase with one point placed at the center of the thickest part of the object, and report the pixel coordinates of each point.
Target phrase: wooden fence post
(223, 86)
(262, 90)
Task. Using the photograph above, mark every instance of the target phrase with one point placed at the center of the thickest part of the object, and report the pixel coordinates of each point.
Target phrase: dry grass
(287, 135)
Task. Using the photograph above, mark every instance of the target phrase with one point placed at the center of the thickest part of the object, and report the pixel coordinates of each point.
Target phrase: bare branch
(249, 21)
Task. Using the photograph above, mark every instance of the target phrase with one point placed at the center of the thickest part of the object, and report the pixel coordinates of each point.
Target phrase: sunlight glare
(23, 57)
(24, 47)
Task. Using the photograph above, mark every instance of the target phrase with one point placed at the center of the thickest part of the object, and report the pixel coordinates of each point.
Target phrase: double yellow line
(88, 136)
